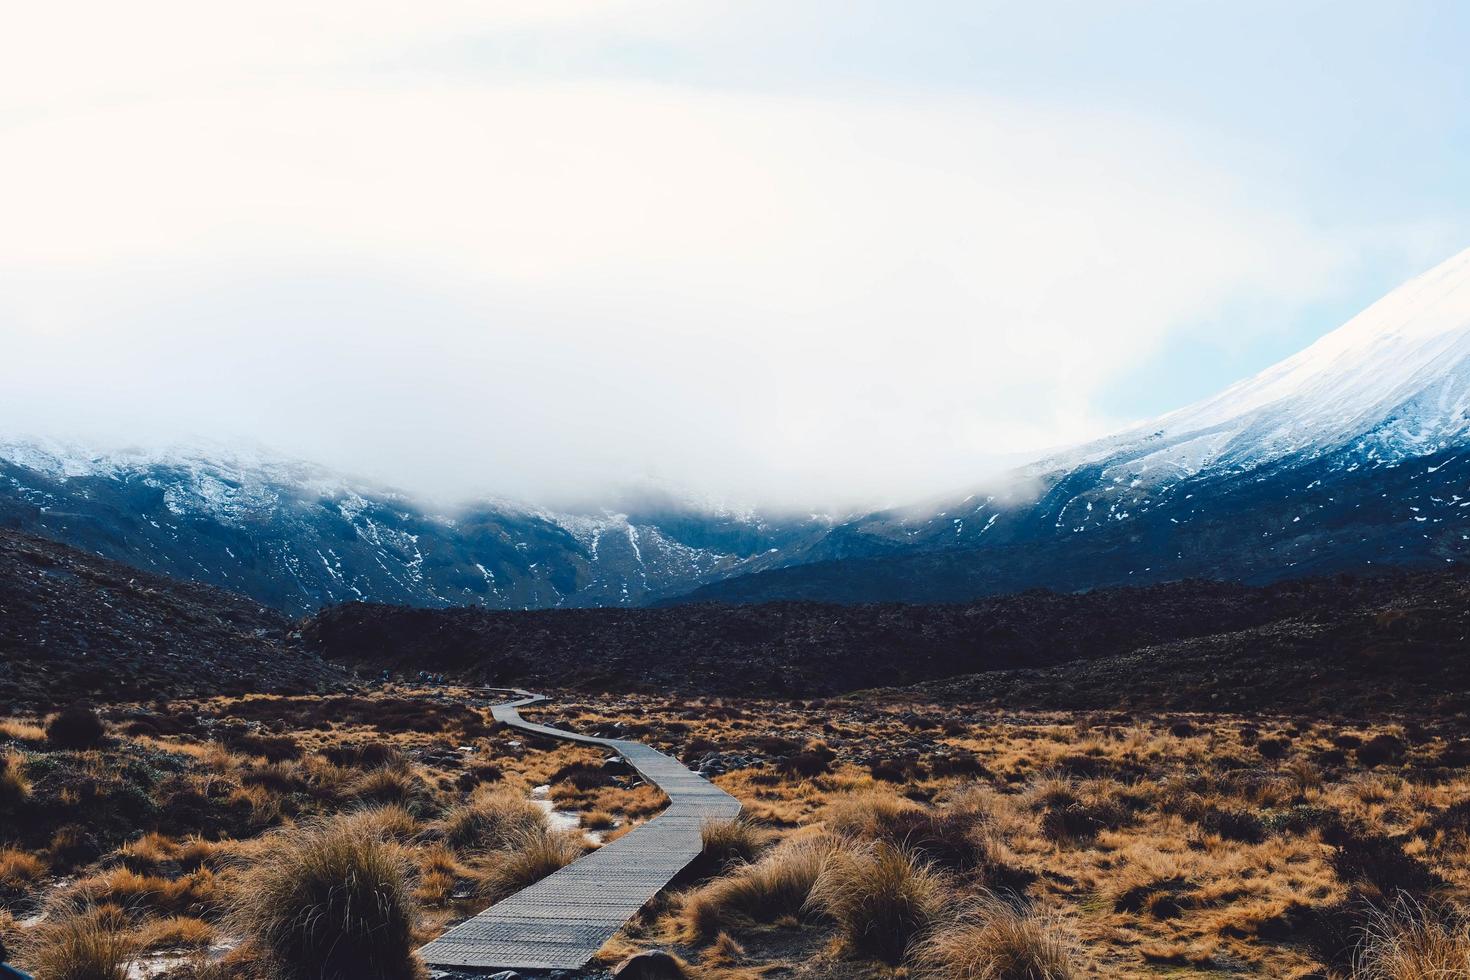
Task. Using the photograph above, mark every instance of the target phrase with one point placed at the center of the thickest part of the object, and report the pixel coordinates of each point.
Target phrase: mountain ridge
(1351, 453)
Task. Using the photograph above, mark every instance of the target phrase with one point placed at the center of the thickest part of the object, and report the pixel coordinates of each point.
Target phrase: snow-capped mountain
(297, 536)
(1352, 453)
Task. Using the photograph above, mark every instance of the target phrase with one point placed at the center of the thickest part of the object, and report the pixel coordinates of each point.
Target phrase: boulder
(653, 964)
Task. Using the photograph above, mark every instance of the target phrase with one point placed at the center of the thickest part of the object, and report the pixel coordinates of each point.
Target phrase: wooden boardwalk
(563, 920)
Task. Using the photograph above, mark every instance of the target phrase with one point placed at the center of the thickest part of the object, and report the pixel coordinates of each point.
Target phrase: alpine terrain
(1351, 454)
(1355, 453)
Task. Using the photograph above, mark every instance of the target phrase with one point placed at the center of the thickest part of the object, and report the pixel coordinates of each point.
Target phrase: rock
(653, 964)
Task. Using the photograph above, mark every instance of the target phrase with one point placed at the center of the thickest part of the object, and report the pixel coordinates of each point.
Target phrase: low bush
(76, 727)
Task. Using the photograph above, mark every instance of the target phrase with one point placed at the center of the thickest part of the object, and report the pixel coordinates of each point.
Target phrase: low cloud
(466, 286)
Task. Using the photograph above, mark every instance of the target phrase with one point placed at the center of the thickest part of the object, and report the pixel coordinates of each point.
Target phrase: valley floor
(1118, 844)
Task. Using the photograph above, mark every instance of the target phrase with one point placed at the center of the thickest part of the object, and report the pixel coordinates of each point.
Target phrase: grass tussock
(330, 902)
(491, 820)
(735, 841)
(1410, 941)
(996, 942)
(15, 788)
(81, 944)
(882, 897)
(527, 858)
(777, 886)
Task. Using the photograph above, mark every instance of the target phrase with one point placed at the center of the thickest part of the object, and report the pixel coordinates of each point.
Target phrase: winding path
(564, 919)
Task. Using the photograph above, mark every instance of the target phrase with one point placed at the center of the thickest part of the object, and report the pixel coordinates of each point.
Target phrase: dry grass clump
(882, 898)
(15, 789)
(330, 902)
(22, 731)
(390, 823)
(867, 814)
(777, 886)
(730, 841)
(18, 869)
(1410, 941)
(491, 820)
(80, 944)
(176, 932)
(200, 893)
(528, 857)
(996, 942)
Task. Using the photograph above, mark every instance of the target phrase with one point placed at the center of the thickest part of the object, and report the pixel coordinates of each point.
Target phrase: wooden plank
(561, 921)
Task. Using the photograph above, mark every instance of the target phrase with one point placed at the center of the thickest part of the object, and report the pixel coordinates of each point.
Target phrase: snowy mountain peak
(1394, 381)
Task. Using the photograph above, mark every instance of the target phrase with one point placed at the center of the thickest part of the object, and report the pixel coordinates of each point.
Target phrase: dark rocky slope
(74, 626)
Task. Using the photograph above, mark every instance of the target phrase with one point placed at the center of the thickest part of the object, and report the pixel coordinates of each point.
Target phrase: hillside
(1400, 632)
(74, 626)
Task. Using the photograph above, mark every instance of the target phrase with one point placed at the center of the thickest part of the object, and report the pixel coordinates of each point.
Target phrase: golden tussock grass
(527, 858)
(80, 944)
(882, 898)
(25, 732)
(175, 932)
(1412, 941)
(491, 820)
(738, 840)
(776, 886)
(199, 893)
(993, 941)
(19, 869)
(330, 901)
(15, 788)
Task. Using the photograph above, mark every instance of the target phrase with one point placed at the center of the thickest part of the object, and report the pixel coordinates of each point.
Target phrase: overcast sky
(796, 252)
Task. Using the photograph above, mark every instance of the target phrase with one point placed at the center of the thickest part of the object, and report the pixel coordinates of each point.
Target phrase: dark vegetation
(1342, 643)
(76, 627)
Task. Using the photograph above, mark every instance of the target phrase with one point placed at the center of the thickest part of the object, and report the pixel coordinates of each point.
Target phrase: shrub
(776, 886)
(330, 902)
(83, 944)
(1235, 825)
(882, 898)
(1381, 749)
(1368, 858)
(1411, 942)
(813, 761)
(491, 821)
(995, 942)
(75, 727)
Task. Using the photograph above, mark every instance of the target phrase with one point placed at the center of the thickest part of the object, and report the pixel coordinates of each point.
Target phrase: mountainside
(296, 536)
(74, 625)
(1354, 452)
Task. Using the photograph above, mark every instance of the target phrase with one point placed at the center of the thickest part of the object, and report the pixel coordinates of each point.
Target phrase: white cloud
(519, 286)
